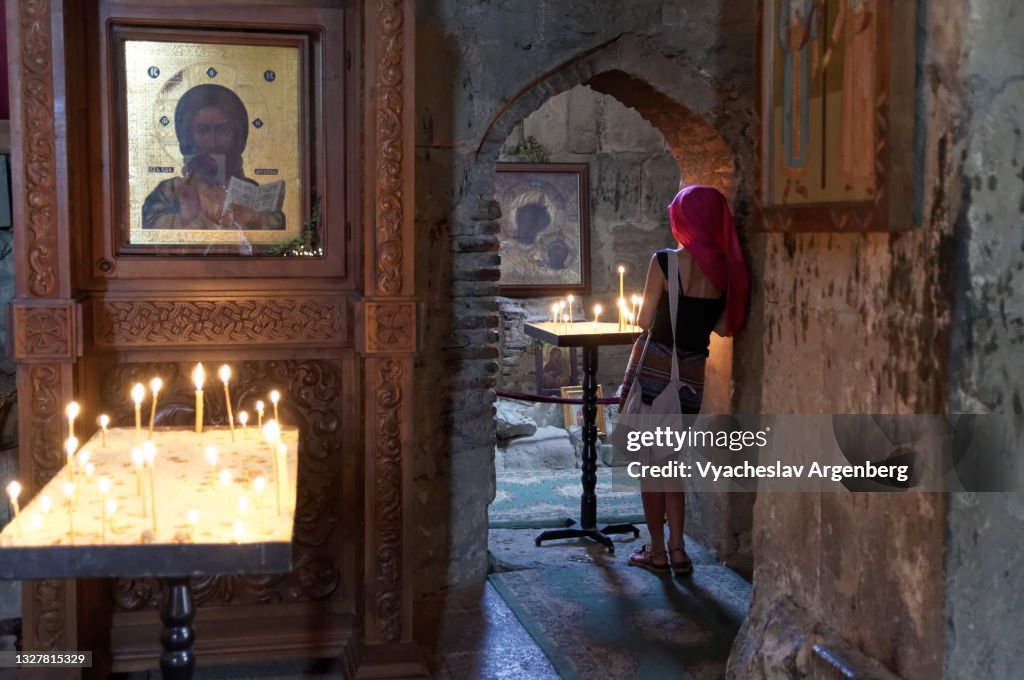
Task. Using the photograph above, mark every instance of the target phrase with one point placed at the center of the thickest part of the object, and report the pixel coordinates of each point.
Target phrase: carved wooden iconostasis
(224, 182)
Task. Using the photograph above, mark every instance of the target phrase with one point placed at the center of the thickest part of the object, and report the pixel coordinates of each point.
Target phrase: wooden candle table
(590, 336)
(70, 529)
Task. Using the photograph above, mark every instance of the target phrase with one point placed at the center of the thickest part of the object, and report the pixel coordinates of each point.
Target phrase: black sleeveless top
(695, 316)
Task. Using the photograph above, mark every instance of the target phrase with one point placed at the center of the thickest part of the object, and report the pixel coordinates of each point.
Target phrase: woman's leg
(654, 514)
(675, 508)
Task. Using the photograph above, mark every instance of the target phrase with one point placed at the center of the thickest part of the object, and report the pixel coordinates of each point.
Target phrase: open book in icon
(260, 198)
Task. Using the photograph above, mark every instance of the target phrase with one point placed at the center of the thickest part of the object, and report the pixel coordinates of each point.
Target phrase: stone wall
(632, 177)
(482, 68)
(985, 552)
(867, 324)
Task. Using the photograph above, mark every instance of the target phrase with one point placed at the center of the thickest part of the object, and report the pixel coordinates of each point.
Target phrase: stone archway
(707, 127)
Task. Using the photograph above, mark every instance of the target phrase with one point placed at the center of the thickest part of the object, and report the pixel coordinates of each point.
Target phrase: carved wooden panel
(390, 327)
(44, 331)
(388, 498)
(269, 321)
(312, 401)
(48, 602)
(390, 111)
(46, 425)
(38, 146)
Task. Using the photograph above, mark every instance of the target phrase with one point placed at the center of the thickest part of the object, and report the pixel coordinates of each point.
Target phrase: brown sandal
(683, 567)
(643, 557)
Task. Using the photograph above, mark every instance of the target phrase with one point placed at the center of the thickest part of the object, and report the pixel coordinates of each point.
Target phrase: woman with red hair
(712, 295)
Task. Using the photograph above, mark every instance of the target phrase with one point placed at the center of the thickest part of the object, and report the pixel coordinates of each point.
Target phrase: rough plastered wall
(481, 69)
(632, 177)
(861, 324)
(985, 532)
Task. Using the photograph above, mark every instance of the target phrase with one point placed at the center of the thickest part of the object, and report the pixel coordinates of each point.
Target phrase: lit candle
(259, 485)
(272, 433)
(69, 493)
(554, 314)
(282, 454)
(211, 458)
(193, 520)
(137, 462)
(70, 446)
(275, 397)
(561, 311)
(565, 320)
(89, 469)
(72, 412)
(155, 384)
(622, 272)
(243, 418)
(259, 414)
(138, 394)
(199, 377)
(149, 456)
(104, 422)
(597, 315)
(14, 490)
(111, 512)
(225, 377)
(570, 308)
(104, 489)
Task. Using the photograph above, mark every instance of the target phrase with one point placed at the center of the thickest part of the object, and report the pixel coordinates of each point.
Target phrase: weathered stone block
(548, 448)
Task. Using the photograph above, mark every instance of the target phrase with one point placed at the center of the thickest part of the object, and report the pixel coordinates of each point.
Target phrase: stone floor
(470, 633)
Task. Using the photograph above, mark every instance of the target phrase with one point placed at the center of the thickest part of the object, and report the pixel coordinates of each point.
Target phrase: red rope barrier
(524, 396)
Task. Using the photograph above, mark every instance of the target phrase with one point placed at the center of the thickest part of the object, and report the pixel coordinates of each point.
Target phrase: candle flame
(83, 457)
(259, 407)
(193, 516)
(104, 485)
(199, 376)
(156, 384)
(259, 484)
(71, 445)
(224, 373)
(69, 489)
(111, 506)
(272, 431)
(14, 490)
(104, 421)
(597, 309)
(622, 270)
(89, 469)
(148, 452)
(211, 455)
(275, 396)
(243, 417)
(137, 457)
(138, 393)
(225, 477)
(72, 410)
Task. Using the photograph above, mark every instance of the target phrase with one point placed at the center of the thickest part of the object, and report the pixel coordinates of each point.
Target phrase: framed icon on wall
(544, 228)
(213, 142)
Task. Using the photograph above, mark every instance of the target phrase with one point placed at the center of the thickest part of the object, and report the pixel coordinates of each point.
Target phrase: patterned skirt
(656, 373)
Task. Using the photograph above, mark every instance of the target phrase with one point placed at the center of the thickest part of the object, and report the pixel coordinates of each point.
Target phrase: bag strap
(673, 305)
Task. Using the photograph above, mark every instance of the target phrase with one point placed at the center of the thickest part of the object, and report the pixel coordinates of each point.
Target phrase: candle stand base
(595, 534)
(177, 612)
